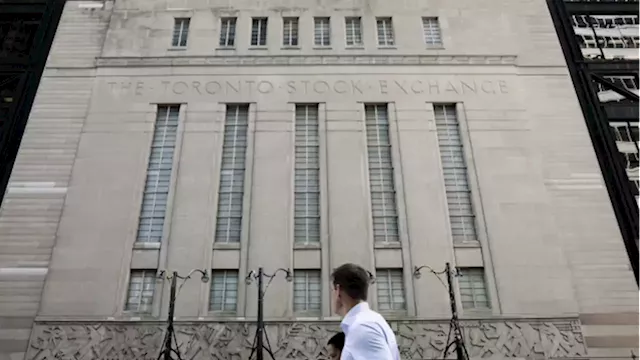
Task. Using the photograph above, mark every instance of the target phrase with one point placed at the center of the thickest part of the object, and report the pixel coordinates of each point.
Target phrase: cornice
(305, 60)
(469, 319)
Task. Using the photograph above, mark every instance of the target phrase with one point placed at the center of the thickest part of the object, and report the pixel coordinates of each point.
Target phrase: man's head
(350, 287)
(336, 343)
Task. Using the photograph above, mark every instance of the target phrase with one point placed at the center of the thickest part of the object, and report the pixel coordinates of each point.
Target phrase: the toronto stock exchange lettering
(221, 87)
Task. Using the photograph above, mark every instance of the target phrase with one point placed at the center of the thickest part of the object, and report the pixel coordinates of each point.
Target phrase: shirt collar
(350, 318)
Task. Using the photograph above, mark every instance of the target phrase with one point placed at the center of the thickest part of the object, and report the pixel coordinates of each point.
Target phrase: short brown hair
(353, 280)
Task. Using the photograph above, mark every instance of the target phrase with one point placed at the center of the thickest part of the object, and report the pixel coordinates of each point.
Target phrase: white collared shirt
(367, 336)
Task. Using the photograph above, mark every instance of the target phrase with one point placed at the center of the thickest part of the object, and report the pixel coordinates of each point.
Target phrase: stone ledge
(304, 60)
(485, 338)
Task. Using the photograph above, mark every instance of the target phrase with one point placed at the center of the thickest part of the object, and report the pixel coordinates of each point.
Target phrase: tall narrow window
(142, 285)
(259, 32)
(353, 27)
(231, 191)
(159, 168)
(473, 290)
(385, 31)
(180, 32)
(228, 32)
(322, 31)
(290, 31)
(461, 217)
(224, 291)
(306, 291)
(431, 29)
(307, 176)
(390, 285)
(383, 190)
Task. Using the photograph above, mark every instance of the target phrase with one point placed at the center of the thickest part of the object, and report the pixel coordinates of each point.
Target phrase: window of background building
(473, 290)
(224, 291)
(259, 32)
(156, 189)
(431, 29)
(307, 295)
(322, 31)
(307, 176)
(454, 168)
(353, 28)
(232, 171)
(142, 284)
(390, 286)
(228, 32)
(180, 32)
(290, 31)
(385, 31)
(611, 32)
(381, 182)
(626, 135)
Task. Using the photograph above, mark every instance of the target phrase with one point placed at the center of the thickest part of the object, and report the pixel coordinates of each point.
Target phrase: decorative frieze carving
(300, 340)
(306, 60)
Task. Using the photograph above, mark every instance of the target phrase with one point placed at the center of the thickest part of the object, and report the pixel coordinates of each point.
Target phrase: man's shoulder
(370, 319)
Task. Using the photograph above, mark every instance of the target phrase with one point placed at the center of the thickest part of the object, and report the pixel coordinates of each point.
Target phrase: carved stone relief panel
(301, 340)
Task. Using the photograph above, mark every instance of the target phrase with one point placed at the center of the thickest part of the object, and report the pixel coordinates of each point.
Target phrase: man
(368, 336)
(336, 343)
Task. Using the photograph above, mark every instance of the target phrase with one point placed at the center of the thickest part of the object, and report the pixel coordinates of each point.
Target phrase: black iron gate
(600, 40)
(27, 28)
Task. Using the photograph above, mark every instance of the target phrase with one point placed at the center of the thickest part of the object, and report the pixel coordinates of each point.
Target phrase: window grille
(473, 290)
(180, 32)
(381, 182)
(307, 294)
(232, 172)
(142, 284)
(432, 33)
(322, 31)
(353, 26)
(390, 286)
(385, 32)
(290, 31)
(156, 189)
(224, 291)
(227, 32)
(461, 216)
(307, 176)
(259, 32)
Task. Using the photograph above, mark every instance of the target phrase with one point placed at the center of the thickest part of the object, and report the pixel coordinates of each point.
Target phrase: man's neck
(351, 306)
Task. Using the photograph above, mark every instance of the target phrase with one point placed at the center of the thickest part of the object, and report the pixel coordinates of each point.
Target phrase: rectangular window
(431, 29)
(353, 27)
(307, 176)
(180, 32)
(224, 291)
(159, 169)
(385, 32)
(456, 182)
(290, 31)
(232, 171)
(381, 182)
(228, 32)
(306, 291)
(627, 136)
(259, 32)
(322, 31)
(390, 285)
(473, 291)
(142, 284)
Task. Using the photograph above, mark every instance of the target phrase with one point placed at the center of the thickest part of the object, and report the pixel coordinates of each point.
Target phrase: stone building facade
(231, 135)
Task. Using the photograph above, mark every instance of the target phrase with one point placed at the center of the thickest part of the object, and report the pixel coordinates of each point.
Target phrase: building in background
(26, 32)
(600, 42)
(233, 135)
